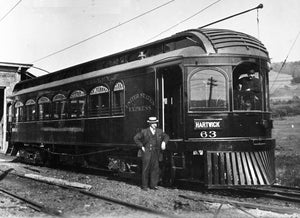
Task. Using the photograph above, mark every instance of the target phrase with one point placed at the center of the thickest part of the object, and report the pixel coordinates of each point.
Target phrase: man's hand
(163, 146)
(143, 148)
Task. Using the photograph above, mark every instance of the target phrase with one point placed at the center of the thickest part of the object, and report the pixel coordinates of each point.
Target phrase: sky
(35, 29)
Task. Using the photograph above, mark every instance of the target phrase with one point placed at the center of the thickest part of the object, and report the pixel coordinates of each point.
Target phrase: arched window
(30, 110)
(207, 91)
(118, 103)
(59, 106)
(77, 104)
(99, 101)
(19, 111)
(44, 108)
(248, 92)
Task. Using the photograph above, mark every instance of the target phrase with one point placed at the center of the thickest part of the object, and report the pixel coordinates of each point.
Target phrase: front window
(247, 88)
(208, 91)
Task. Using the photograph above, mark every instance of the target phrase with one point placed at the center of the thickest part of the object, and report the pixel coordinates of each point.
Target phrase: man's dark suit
(150, 158)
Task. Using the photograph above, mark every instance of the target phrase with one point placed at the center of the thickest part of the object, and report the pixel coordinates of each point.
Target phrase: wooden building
(10, 74)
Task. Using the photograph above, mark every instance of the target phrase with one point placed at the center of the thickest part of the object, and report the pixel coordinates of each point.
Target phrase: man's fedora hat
(152, 120)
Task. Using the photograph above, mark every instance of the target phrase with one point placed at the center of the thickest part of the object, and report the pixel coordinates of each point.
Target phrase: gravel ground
(166, 200)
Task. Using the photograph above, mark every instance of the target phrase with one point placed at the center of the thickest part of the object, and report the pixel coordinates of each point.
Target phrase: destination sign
(208, 124)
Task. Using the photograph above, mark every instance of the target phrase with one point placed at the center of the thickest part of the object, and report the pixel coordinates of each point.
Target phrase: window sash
(77, 107)
(208, 91)
(99, 105)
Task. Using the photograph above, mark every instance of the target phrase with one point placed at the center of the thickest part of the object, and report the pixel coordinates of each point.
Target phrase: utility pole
(211, 82)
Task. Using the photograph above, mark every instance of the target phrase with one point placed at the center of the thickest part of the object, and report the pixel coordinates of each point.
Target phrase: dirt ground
(287, 134)
(167, 200)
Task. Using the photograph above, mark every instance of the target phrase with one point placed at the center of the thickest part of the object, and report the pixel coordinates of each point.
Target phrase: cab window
(247, 89)
(207, 91)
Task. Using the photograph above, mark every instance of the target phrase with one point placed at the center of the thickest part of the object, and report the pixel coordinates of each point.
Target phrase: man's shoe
(145, 188)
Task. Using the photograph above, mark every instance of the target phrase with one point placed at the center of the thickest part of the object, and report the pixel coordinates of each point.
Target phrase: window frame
(44, 104)
(96, 93)
(79, 96)
(30, 104)
(19, 112)
(262, 78)
(60, 99)
(208, 109)
(115, 110)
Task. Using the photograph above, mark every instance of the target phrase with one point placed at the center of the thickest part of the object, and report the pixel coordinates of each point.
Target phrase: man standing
(151, 141)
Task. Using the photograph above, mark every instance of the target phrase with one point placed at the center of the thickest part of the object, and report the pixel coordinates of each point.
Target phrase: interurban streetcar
(208, 87)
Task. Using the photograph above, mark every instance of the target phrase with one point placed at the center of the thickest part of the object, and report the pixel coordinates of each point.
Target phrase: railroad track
(241, 204)
(239, 198)
(33, 204)
(56, 212)
(277, 192)
(290, 194)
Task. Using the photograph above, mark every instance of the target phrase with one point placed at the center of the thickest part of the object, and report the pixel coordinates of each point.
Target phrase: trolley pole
(243, 12)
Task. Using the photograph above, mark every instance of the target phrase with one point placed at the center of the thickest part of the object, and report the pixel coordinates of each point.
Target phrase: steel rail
(102, 197)
(274, 194)
(286, 187)
(275, 208)
(289, 191)
(34, 205)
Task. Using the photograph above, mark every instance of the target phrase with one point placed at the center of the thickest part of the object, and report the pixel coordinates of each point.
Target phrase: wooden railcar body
(189, 81)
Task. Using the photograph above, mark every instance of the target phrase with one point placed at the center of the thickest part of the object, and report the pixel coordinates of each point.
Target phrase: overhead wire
(186, 19)
(283, 64)
(105, 31)
(10, 11)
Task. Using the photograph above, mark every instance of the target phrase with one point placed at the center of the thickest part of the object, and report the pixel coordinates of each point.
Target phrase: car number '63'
(208, 134)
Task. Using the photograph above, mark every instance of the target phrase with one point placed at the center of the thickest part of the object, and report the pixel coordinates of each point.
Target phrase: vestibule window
(77, 104)
(99, 101)
(207, 91)
(118, 98)
(59, 106)
(30, 110)
(19, 111)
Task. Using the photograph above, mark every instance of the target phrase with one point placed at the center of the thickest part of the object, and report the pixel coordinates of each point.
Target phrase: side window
(118, 103)
(30, 110)
(99, 101)
(44, 108)
(19, 111)
(208, 91)
(77, 104)
(59, 106)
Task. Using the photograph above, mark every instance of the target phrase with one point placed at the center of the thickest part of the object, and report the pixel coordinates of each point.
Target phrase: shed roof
(17, 68)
